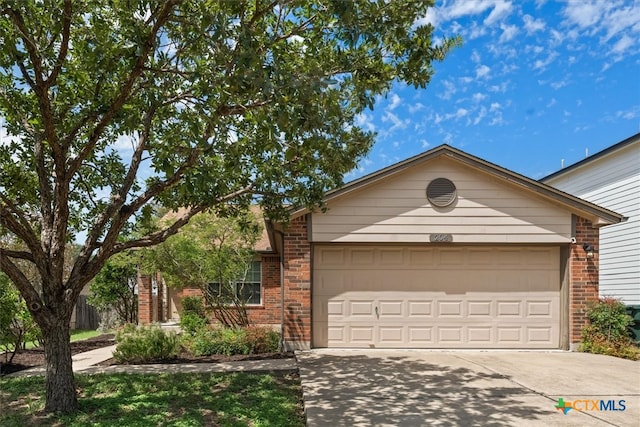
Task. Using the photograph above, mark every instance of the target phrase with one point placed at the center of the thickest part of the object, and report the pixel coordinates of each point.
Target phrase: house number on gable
(441, 237)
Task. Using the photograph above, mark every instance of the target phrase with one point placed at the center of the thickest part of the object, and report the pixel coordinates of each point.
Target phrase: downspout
(281, 345)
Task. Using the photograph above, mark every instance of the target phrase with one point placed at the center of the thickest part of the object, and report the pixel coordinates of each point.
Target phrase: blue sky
(535, 82)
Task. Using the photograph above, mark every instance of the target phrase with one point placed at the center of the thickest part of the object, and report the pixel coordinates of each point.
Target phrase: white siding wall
(614, 183)
(396, 210)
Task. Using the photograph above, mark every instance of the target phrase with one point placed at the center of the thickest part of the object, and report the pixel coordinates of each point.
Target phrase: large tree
(114, 105)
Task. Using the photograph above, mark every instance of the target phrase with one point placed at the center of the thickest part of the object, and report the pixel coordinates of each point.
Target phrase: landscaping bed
(33, 357)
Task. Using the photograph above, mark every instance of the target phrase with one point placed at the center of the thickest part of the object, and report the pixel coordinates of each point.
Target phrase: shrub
(233, 341)
(191, 323)
(607, 332)
(262, 340)
(145, 345)
(194, 305)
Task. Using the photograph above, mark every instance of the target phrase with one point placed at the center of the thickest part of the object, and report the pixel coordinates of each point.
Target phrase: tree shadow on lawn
(368, 390)
(193, 399)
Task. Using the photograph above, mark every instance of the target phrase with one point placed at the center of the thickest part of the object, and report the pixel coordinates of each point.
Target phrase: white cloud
(559, 84)
(432, 17)
(508, 32)
(502, 87)
(482, 71)
(629, 114)
(531, 25)
(475, 56)
(425, 143)
(476, 31)
(449, 89)
(395, 120)
(477, 97)
(495, 106)
(501, 10)
(617, 23)
(365, 121)
(583, 13)
(416, 107)
(551, 103)
(541, 64)
(481, 115)
(623, 44)
(394, 102)
(465, 7)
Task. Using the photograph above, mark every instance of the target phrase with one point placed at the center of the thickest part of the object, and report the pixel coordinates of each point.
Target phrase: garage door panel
(420, 309)
(391, 308)
(482, 309)
(466, 297)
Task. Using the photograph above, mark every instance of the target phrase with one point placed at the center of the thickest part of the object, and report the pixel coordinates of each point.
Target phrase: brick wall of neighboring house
(297, 285)
(583, 288)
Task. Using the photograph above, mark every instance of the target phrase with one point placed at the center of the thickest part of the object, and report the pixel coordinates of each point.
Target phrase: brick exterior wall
(583, 281)
(297, 285)
(145, 303)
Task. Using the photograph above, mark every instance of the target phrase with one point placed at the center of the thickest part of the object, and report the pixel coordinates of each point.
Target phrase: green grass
(76, 335)
(138, 400)
(81, 334)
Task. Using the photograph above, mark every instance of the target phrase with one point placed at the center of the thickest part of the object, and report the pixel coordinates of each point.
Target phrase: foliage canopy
(114, 106)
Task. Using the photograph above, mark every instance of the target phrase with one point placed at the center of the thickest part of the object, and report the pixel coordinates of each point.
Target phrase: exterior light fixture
(590, 250)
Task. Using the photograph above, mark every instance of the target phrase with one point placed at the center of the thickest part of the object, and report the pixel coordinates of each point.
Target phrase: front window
(246, 289)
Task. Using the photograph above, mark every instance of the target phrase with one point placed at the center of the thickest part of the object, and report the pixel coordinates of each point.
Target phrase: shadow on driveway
(366, 389)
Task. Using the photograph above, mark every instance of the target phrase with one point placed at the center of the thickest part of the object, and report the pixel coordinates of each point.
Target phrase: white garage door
(454, 297)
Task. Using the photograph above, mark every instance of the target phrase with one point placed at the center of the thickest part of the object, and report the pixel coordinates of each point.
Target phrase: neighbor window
(246, 289)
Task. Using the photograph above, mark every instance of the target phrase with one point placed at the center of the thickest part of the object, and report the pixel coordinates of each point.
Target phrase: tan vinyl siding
(397, 210)
(613, 182)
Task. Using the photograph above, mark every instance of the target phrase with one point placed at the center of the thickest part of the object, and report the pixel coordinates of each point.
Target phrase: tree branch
(64, 45)
(127, 87)
(17, 254)
(23, 284)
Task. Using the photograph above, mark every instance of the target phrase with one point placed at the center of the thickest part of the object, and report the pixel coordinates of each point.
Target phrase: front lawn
(199, 399)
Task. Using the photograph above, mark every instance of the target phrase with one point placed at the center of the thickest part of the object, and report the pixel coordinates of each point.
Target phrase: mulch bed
(30, 358)
(35, 357)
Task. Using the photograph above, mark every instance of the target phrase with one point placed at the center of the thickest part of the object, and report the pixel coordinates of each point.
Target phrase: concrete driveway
(467, 388)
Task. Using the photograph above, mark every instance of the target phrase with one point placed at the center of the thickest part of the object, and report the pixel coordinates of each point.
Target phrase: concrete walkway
(467, 388)
(85, 363)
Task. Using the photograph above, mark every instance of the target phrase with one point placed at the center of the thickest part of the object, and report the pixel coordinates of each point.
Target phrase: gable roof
(635, 139)
(598, 215)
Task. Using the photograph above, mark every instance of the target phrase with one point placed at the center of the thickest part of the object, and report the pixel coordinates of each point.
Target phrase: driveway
(467, 388)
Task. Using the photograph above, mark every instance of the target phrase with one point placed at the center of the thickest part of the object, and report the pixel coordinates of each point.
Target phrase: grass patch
(138, 400)
(76, 335)
(84, 334)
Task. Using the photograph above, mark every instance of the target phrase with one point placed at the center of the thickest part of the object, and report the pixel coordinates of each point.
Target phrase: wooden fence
(87, 316)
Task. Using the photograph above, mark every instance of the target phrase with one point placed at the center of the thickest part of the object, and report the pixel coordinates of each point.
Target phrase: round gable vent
(441, 192)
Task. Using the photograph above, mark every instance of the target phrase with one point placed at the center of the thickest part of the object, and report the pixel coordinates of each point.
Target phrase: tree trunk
(60, 383)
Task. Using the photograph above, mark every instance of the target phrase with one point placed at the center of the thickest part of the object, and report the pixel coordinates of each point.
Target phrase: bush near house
(193, 317)
(607, 332)
(233, 341)
(145, 345)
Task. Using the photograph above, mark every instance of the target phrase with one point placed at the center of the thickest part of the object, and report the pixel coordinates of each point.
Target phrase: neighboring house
(611, 178)
(443, 250)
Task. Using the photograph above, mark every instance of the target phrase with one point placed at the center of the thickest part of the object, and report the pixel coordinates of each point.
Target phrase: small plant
(191, 323)
(145, 345)
(194, 316)
(194, 305)
(233, 341)
(607, 332)
(262, 340)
